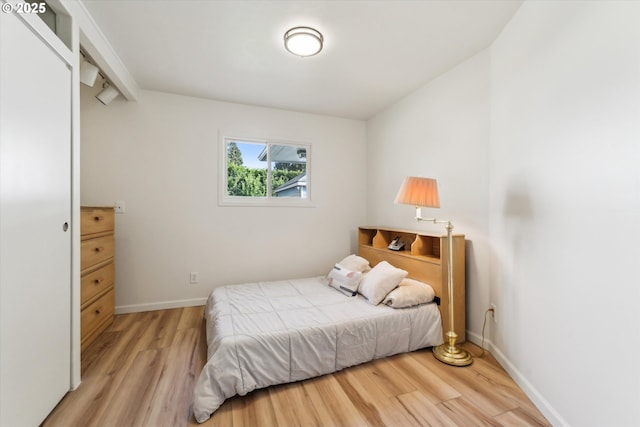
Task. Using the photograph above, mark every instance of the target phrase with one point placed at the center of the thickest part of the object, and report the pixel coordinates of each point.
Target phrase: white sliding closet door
(35, 203)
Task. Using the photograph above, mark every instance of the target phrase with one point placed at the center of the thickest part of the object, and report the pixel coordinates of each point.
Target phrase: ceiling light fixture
(88, 73)
(303, 41)
(107, 94)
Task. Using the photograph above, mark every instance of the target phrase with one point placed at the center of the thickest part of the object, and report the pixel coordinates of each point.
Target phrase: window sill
(257, 202)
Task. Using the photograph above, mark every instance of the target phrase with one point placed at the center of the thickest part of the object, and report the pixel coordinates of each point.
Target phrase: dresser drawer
(96, 250)
(96, 220)
(96, 282)
(97, 313)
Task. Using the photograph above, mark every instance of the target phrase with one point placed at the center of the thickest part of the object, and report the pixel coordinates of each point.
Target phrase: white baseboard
(137, 308)
(532, 393)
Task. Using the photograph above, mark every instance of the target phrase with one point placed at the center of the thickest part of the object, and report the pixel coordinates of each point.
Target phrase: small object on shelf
(396, 244)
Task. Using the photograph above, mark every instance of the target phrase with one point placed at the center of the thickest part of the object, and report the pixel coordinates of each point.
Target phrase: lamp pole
(448, 352)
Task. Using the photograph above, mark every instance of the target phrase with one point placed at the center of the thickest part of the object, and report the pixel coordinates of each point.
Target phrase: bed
(266, 333)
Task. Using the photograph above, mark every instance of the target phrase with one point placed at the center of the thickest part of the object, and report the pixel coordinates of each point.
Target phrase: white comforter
(261, 334)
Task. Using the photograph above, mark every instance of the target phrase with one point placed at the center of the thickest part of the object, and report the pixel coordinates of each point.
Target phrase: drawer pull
(97, 281)
(98, 249)
(98, 311)
(98, 218)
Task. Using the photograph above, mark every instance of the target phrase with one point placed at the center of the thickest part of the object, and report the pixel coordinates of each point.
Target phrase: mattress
(266, 333)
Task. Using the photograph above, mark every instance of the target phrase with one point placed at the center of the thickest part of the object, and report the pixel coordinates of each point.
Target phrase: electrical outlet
(494, 313)
(194, 277)
(118, 206)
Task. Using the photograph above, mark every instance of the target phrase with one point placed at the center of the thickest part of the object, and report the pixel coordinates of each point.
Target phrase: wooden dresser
(97, 271)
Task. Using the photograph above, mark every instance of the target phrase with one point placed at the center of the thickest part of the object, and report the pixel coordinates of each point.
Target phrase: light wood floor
(141, 372)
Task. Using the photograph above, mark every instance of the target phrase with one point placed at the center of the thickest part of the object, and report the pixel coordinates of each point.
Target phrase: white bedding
(261, 334)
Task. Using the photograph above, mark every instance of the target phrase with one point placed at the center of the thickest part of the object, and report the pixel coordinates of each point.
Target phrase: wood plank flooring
(141, 372)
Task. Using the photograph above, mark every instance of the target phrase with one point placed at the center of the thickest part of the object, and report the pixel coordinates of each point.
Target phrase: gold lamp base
(450, 354)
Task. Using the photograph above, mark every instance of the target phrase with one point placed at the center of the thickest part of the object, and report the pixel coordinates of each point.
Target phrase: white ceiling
(375, 52)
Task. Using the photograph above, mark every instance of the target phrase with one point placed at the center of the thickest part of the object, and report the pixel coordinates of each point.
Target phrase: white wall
(440, 131)
(160, 156)
(535, 144)
(565, 205)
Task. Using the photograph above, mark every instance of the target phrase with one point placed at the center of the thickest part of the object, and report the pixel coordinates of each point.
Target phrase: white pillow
(409, 293)
(355, 263)
(377, 283)
(344, 280)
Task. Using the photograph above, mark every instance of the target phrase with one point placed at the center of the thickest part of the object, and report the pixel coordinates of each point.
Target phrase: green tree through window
(234, 154)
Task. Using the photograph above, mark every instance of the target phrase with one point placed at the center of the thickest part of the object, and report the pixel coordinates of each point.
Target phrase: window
(262, 173)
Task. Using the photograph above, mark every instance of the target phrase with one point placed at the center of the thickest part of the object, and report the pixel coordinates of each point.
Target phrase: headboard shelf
(424, 256)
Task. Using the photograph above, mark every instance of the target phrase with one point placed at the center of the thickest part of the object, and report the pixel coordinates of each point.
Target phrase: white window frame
(225, 200)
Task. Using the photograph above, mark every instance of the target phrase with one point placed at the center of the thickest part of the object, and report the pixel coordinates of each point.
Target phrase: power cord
(483, 326)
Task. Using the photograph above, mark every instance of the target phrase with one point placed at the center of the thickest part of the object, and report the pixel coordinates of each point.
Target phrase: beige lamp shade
(418, 191)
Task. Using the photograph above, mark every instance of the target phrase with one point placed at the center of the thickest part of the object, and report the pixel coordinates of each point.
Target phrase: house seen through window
(263, 171)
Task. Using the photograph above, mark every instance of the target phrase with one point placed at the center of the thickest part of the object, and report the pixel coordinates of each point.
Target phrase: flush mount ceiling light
(303, 41)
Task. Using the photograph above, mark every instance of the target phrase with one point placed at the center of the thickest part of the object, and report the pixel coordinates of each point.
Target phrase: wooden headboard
(425, 258)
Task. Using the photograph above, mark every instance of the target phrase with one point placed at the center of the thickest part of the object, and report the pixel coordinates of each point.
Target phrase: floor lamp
(423, 192)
